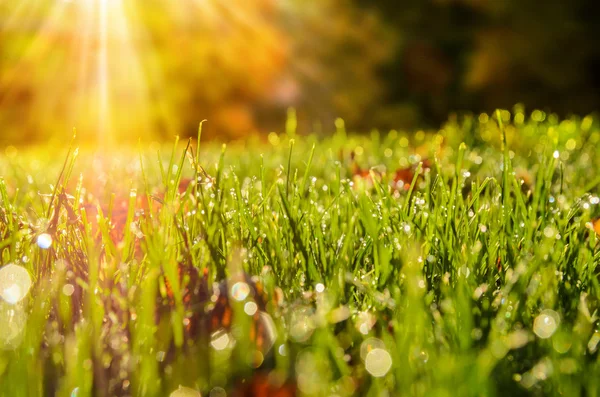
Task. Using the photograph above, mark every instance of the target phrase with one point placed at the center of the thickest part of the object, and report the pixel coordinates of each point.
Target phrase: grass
(305, 266)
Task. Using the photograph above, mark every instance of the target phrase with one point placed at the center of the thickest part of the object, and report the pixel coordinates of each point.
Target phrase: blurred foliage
(479, 55)
(122, 70)
(160, 66)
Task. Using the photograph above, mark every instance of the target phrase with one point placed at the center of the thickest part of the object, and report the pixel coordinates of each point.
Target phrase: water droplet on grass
(250, 308)
(240, 291)
(369, 345)
(220, 340)
(14, 283)
(282, 350)
(378, 362)
(44, 241)
(365, 322)
(546, 323)
(68, 289)
(301, 324)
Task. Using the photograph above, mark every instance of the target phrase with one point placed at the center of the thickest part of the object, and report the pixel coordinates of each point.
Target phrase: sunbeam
(119, 71)
(95, 81)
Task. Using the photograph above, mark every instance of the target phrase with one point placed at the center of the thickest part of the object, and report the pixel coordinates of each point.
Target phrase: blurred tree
(336, 50)
(246, 62)
(119, 70)
(209, 60)
(541, 54)
(482, 54)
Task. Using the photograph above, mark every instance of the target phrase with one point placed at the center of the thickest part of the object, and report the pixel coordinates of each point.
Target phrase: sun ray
(109, 65)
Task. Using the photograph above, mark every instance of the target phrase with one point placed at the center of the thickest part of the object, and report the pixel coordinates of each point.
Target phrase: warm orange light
(120, 70)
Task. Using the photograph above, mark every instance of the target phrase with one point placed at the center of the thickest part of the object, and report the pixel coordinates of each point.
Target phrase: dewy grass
(311, 266)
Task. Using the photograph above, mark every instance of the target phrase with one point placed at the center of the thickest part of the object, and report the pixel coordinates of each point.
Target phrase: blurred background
(122, 70)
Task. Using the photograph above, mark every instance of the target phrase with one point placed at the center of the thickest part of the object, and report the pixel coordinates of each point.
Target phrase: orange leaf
(596, 225)
(404, 175)
(262, 385)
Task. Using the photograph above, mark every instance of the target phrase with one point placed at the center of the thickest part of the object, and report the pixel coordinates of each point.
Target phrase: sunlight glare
(92, 62)
(15, 283)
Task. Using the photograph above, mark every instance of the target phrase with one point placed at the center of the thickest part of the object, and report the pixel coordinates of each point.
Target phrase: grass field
(459, 262)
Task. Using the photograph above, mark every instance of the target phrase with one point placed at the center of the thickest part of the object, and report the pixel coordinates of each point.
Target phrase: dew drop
(546, 323)
(369, 345)
(365, 322)
(240, 291)
(44, 241)
(250, 308)
(220, 340)
(301, 324)
(282, 350)
(14, 283)
(378, 362)
(68, 289)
